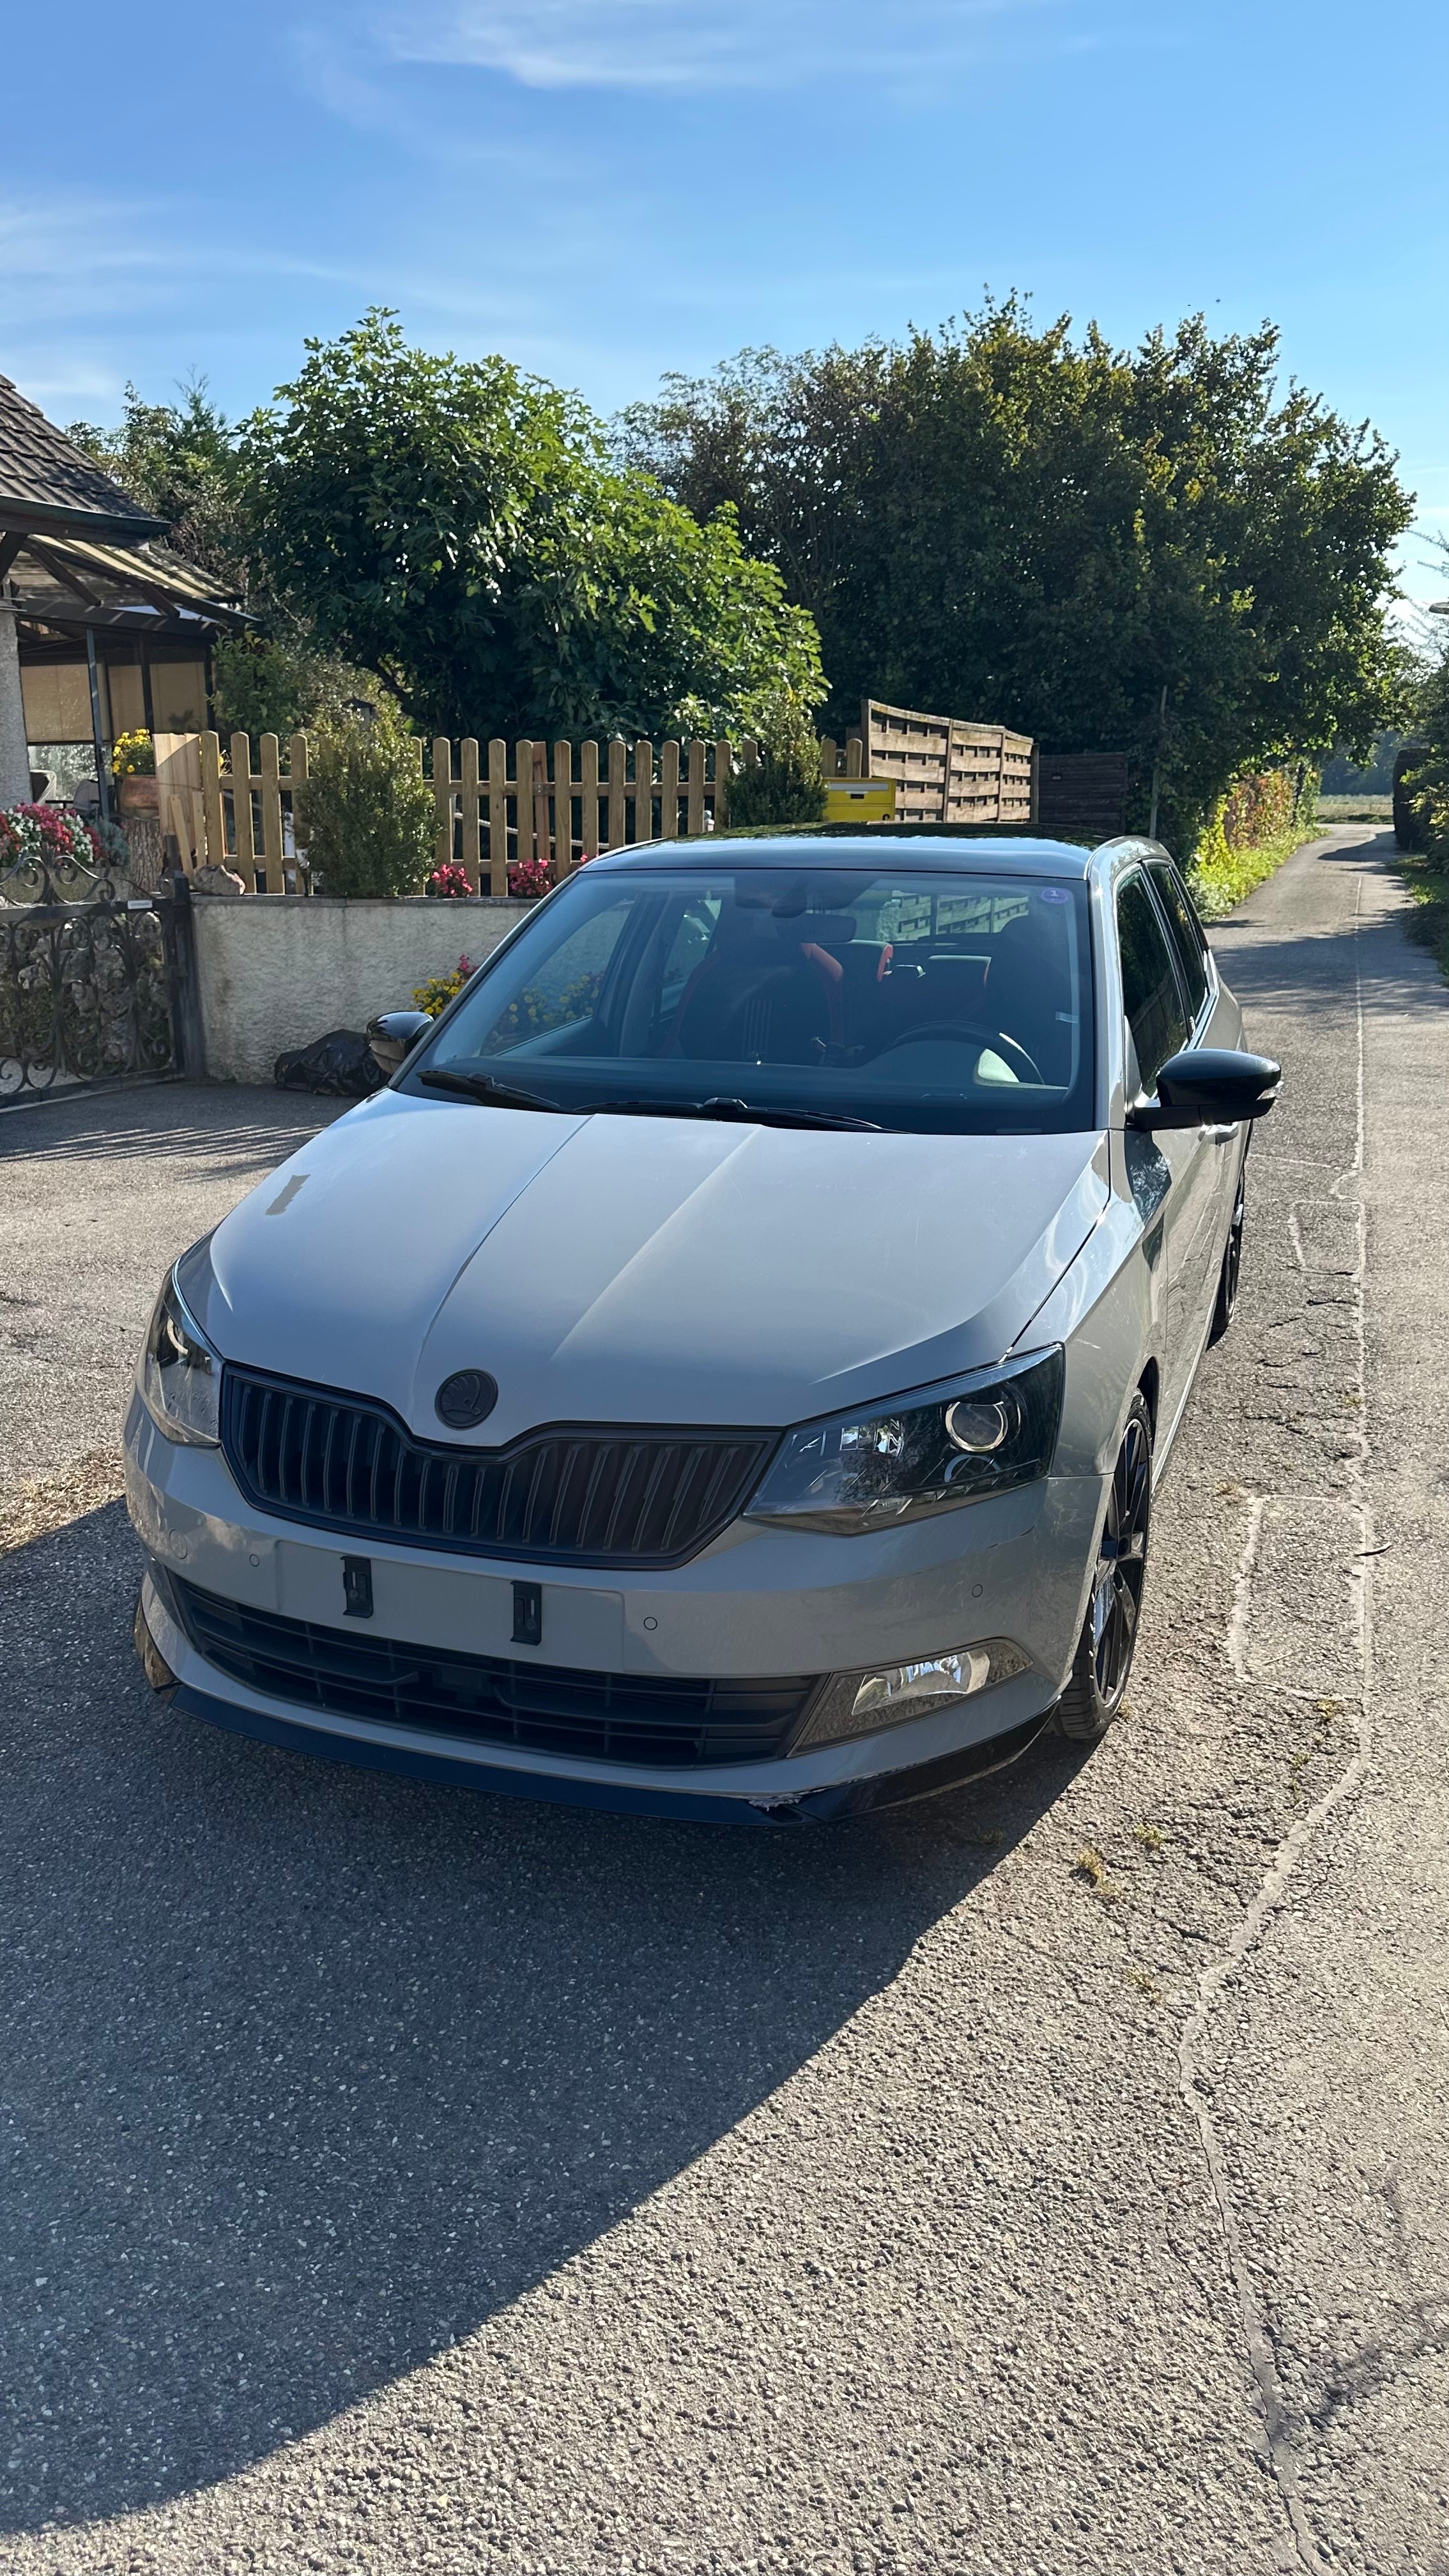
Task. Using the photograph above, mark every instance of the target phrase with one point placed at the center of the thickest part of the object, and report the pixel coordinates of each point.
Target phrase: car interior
(921, 985)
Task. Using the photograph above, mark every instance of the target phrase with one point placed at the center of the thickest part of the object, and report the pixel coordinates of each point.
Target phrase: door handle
(1219, 1135)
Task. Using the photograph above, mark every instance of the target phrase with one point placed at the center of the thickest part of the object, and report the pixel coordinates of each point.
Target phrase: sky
(606, 189)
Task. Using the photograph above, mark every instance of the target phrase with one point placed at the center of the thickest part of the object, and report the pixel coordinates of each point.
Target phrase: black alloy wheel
(1103, 1665)
(1231, 1270)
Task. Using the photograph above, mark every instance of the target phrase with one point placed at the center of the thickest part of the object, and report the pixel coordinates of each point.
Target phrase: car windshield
(926, 1001)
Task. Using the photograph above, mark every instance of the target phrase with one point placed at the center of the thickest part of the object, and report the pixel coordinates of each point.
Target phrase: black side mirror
(1209, 1087)
(394, 1034)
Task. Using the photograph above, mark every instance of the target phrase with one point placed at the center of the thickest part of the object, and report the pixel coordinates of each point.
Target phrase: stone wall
(279, 970)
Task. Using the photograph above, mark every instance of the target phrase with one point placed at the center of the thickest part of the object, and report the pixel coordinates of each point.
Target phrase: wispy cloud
(698, 45)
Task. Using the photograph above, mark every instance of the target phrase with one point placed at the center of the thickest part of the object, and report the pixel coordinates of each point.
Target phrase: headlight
(180, 1375)
(928, 1452)
(859, 1703)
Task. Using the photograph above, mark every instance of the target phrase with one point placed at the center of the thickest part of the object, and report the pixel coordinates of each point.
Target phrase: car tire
(1108, 1642)
(1231, 1270)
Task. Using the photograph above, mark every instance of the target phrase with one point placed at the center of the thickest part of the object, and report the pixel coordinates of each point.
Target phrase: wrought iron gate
(86, 985)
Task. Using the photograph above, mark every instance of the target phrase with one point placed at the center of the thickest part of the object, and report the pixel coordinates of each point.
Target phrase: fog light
(858, 1703)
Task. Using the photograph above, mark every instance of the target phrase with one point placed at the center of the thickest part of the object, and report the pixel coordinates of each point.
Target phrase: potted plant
(133, 765)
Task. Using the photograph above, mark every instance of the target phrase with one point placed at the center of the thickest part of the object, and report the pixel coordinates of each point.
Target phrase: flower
(450, 880)
(47, 832)
(133, 755)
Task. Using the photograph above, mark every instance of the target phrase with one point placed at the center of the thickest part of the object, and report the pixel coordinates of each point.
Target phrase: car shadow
(313, 2071)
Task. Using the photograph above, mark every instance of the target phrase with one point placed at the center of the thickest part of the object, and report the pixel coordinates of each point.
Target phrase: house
(101, 629)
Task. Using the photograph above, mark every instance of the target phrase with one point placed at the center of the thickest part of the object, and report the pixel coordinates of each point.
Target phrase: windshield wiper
(491, 1094)
(501, 1095)
(738, 1112)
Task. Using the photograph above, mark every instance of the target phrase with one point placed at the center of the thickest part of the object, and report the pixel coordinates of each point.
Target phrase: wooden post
(855, 757)
(669, 791)
(210, 748)
(468, 796)
(542, 850)
(523, 800)
(442, 799)
(563, 810)
(297, 772)
(643, 790)
(272, 859)
(241, 809)
(694, 813)
(618, 829)
(589, 797)
(497, 816)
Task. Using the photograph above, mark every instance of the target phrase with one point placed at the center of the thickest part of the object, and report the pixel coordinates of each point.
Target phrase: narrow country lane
(1042, 2181)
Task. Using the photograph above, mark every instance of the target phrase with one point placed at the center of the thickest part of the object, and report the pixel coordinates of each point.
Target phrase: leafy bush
(434, 996)
(449, 881)
(1427, 786)
(787, 783)
(1249, 832)
(133, 755)
(528, 879)
(367, 812)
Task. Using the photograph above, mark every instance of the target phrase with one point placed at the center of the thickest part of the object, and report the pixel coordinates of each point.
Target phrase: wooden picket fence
(529, 811)
(520, 816)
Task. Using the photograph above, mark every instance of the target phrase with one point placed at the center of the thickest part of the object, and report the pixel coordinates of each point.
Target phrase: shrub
(367, 817)
(1426, 794)
(787, 783)
(133, 755)
(434, 996)
(528, 879)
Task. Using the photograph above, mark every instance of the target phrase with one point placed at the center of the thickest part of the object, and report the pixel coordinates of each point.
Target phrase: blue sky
(603, 189)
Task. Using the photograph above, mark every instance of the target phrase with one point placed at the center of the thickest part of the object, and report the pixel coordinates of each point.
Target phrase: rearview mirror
(393, 1035)
(1209, 1087)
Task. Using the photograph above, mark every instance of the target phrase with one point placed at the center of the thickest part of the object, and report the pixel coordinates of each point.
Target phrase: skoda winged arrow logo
(465, 1398)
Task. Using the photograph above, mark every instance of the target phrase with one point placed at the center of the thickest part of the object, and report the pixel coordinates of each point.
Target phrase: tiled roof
(44, 475)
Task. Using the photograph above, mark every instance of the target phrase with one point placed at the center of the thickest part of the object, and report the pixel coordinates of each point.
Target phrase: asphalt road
(1037, 2181)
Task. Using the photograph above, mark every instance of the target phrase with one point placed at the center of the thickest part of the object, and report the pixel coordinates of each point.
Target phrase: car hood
(642, 1270)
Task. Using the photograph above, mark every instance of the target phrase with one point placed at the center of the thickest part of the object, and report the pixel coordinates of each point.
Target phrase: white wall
(279, 970)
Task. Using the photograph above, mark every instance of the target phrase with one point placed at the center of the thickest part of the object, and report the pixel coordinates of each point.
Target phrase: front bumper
(757, 1602)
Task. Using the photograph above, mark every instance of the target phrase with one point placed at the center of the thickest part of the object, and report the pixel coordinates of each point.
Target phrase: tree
(179, 460)
(459, 528)
(1003, 523)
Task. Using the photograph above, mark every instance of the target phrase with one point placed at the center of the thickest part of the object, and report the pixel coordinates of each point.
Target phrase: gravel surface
(1039, 2180)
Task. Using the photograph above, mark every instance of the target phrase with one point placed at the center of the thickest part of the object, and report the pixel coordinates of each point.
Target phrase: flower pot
(139, 795)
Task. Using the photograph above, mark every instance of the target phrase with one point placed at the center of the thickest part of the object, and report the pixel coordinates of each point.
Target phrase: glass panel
(917, 1000)
(1150, 989)
(1187, 938)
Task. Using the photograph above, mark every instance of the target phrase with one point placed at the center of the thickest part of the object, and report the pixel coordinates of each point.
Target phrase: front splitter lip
(373, 1751)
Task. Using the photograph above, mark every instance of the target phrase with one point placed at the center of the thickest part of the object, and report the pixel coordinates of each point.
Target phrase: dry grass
(1090, 1865)
(33, 1509)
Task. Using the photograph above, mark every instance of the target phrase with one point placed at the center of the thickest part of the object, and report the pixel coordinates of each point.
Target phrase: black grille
(592, 1496)
(616, 1717)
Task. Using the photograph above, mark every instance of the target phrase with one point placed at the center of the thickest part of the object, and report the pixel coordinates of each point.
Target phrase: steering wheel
(970, 1034)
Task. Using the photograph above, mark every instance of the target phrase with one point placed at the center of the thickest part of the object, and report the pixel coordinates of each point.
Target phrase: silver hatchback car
(724, 1372)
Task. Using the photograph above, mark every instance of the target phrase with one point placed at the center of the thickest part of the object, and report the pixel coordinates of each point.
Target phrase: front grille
(591, 1496)
(614, 1717)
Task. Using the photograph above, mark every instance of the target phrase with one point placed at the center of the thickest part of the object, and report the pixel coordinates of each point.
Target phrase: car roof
(923, 850)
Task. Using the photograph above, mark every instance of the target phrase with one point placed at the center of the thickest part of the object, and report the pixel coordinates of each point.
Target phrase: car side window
(1151, 993)
(1187, 938)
